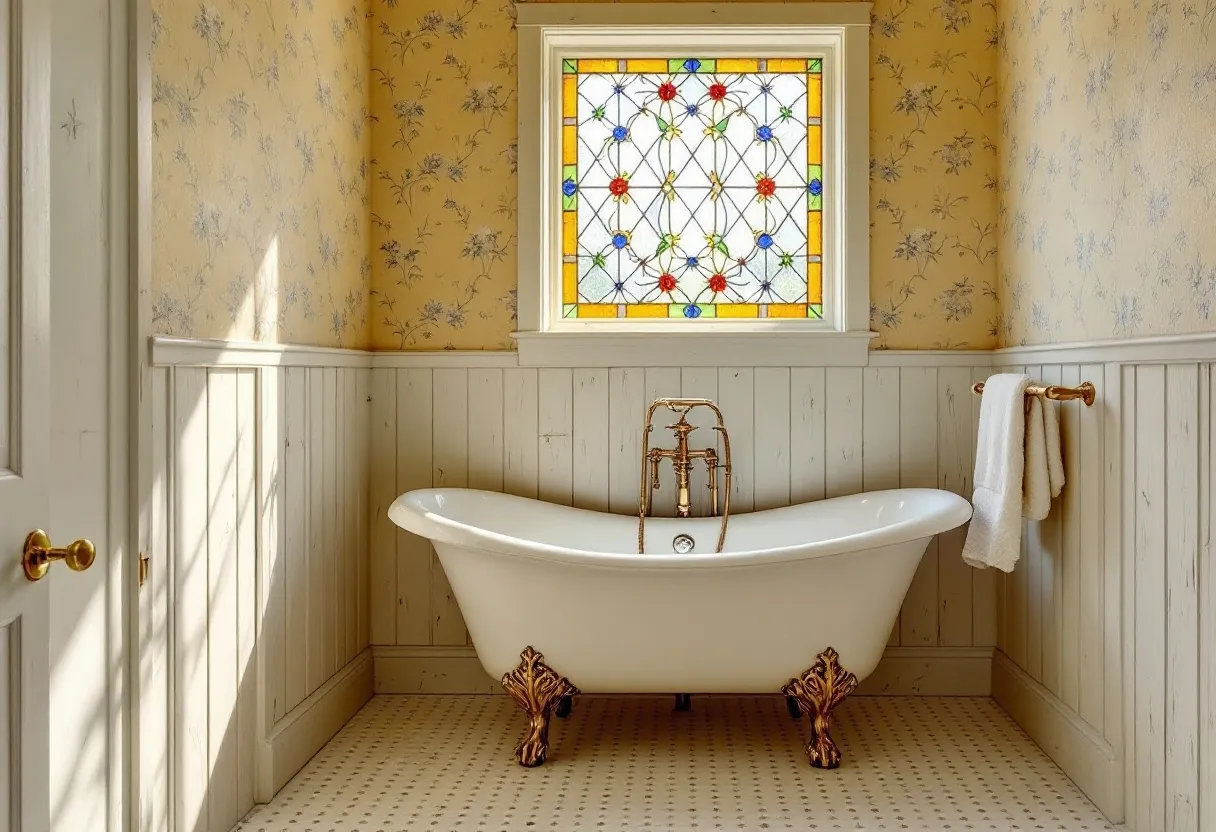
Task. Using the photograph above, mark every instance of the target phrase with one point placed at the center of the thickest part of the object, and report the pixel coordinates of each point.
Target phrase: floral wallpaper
(260, 200)
(1108, 169)
(443, 188)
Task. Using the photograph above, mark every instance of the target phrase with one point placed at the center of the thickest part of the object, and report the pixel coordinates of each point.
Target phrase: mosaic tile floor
(445, 763)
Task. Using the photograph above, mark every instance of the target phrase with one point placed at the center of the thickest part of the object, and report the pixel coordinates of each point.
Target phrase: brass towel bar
(1085, 392)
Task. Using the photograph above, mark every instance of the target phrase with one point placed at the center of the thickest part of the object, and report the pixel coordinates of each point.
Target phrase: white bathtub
(789, 583)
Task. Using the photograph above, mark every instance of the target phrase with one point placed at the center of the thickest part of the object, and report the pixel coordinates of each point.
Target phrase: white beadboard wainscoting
(573, 436)
(255, 616)
(1107, 629)
(1104, 634)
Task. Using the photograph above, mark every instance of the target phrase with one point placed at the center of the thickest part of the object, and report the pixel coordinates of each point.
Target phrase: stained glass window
(692, 188)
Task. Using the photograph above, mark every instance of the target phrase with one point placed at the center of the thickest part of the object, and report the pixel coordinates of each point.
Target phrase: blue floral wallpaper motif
(1108, 180)
(260, 198)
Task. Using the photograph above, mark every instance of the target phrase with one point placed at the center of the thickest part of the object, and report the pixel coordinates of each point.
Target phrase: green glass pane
(698, 65)
(814, 183)
(815, 310)
(569, 187)
(570, 310)
(569, 65)
(691, 311)
(814, 65)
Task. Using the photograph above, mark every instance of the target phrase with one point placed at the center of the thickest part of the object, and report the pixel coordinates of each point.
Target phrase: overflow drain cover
(683, 544)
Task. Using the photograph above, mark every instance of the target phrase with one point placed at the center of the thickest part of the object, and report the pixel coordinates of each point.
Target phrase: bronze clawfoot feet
(536, 688)
(818, 691)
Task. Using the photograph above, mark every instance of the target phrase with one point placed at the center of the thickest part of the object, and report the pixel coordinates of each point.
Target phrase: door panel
(8, 715)
(24, 353)
(83, 662)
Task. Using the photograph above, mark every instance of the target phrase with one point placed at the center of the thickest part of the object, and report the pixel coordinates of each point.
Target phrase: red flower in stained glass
(717, 91)
(717, 283)
(667, 282)
(619, 186)
(765, 187)
(667, 91)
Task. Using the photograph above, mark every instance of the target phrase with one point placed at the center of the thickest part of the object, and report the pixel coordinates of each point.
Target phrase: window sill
(693, 349)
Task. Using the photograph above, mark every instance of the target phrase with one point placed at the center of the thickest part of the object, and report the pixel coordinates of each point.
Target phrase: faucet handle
(682, 427)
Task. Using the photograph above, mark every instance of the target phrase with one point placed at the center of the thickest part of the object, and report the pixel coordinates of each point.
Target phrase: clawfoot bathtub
(802, 597)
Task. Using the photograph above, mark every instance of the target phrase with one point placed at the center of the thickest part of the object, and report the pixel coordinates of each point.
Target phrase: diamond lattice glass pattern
(692, 188)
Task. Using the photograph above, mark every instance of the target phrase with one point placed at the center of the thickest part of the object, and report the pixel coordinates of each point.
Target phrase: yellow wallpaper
(1108, 117)
(260, 161)
(444, 159)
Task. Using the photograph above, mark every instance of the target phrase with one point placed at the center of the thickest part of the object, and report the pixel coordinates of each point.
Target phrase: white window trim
(549, 31)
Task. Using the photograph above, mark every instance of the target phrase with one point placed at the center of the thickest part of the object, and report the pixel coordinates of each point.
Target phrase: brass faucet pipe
(653, 456)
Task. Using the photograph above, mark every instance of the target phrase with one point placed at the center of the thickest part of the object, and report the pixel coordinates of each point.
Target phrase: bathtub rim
(953, 513)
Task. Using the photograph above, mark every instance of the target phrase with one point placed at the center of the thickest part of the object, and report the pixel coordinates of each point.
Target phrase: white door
(88, 445)
(24, 428)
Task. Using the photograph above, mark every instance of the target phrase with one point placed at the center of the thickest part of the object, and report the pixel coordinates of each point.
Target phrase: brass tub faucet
(682, 459)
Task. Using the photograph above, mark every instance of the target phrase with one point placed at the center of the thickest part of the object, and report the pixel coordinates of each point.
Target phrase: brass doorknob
(38, 555)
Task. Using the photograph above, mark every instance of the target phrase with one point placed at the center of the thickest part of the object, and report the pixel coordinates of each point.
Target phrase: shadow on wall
(258, 515)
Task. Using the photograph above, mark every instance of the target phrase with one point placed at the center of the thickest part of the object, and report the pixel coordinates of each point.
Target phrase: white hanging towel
(1043, 475)
(1014, 470)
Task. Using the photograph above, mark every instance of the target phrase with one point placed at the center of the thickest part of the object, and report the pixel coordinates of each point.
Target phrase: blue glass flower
(692, 65)
(764, 133)
(619, 286)
(692, 311)
(692, 262)
(619, 89)
(815, 188)
(620, 133)
(569, 187)
(764, 240)
(619, 240)
(692, 109)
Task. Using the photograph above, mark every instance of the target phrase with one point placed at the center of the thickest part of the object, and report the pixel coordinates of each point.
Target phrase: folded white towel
(1055, 457)
(1036, 480)
(1043, 475)
(995, 535)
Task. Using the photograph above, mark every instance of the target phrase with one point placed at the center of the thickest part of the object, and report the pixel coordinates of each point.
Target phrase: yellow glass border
(569, 283)
(660, 66)
(597, 310)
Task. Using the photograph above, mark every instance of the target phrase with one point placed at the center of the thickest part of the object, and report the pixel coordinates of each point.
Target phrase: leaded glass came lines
(692, 188)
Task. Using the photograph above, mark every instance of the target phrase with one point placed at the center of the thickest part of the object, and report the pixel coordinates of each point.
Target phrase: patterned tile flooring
(445, 763)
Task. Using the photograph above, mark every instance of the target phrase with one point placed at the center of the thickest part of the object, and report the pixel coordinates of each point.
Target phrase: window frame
(838, 32)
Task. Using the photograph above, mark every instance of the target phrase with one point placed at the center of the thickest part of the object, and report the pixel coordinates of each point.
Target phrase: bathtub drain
(683, 544)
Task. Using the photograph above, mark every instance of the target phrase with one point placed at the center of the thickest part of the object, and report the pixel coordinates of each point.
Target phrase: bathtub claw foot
(564, 706)
(537, 689)
(683, 702)
(818, 691)
(791, 705)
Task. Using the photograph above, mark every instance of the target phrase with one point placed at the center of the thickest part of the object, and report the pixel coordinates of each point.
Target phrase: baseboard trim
(1072, 743)
(304, 731)
(931, 671)
(904, 671)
